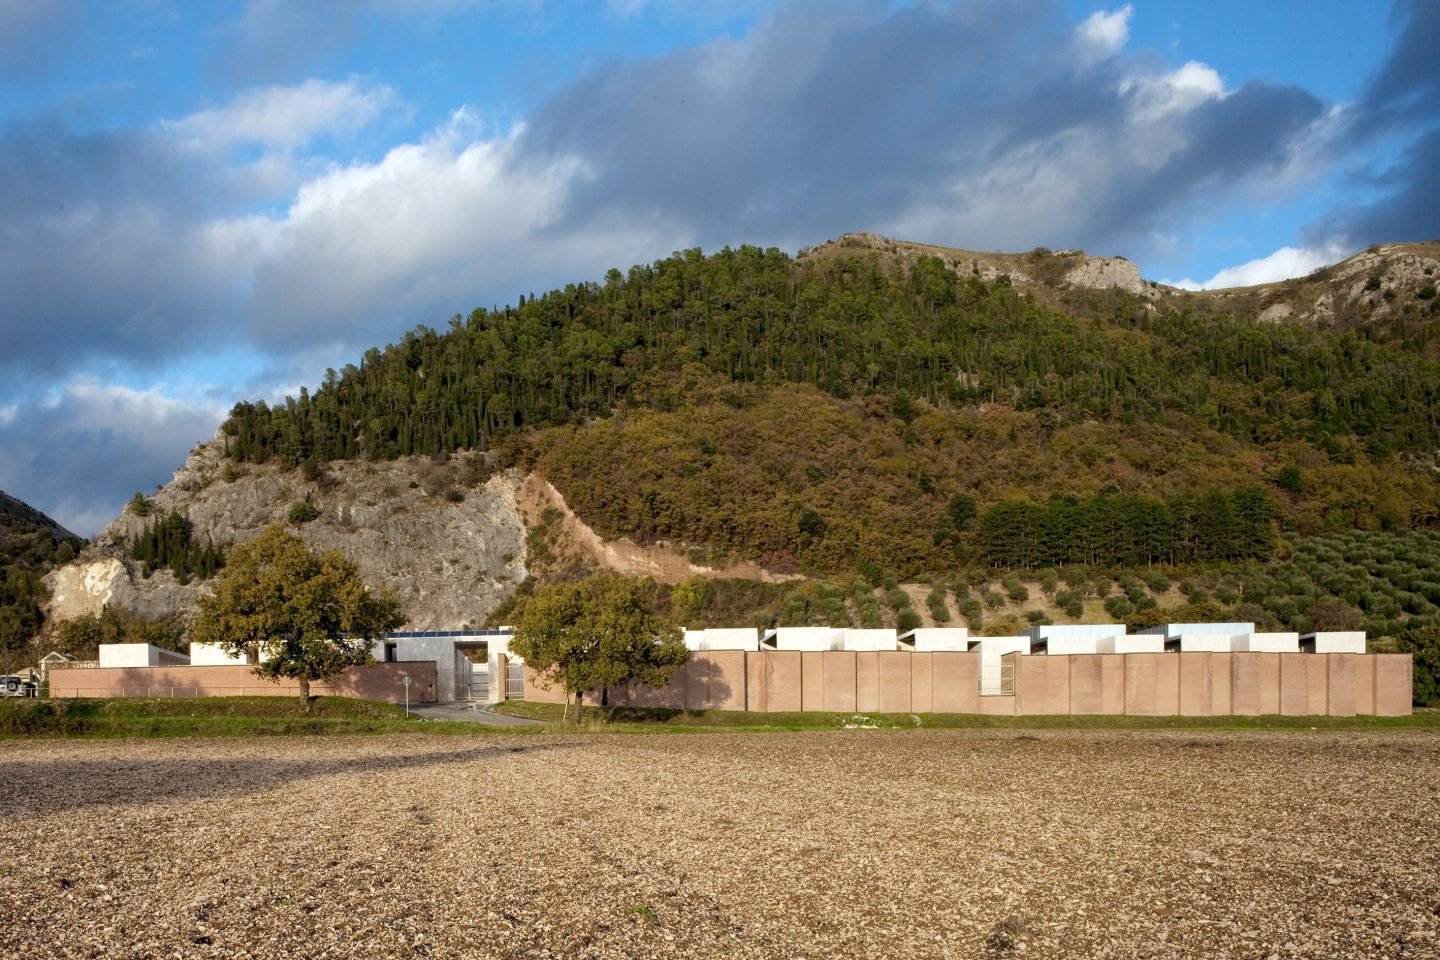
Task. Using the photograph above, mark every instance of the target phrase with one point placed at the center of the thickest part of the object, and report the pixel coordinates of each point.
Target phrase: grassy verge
(629, 718)
(211, 717)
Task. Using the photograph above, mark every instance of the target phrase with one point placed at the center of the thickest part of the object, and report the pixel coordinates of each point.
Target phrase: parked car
(13, 686)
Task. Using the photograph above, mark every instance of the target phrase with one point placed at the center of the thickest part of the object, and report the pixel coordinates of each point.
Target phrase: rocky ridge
(445, 536)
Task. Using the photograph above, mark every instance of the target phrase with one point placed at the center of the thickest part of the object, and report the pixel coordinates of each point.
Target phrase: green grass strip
(631, 718)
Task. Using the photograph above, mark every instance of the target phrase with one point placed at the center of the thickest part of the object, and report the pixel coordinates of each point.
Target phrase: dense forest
(820, 413)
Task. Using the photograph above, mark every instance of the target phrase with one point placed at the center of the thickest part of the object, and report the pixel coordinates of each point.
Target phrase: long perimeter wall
(1138, 684)
(380, 681)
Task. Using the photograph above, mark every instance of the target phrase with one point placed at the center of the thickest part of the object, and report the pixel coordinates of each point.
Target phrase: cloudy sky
(207, 202)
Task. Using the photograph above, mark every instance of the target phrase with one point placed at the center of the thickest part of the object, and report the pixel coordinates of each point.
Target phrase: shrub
(1015, 590)
(907, 619)
(1119, 607)
(1423, 643)
(303, 512)
(971, 611)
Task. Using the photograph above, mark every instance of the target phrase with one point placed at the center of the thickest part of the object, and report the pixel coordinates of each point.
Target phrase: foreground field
(845, 844)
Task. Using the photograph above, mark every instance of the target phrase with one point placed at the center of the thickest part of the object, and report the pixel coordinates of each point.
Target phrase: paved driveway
(471, 713)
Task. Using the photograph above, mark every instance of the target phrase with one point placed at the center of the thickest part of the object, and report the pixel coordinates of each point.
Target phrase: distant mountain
(28, 537)
(31, 544)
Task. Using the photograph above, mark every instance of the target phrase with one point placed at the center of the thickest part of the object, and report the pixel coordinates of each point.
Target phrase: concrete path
(471, 713)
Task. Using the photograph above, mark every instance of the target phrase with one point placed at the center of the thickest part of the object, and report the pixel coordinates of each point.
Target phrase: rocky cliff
(445, 536)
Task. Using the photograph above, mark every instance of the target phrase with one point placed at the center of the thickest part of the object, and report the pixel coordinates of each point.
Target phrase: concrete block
(1152, 684)
(922, 682)
(782, 680)
(1197, 683)
(840, 681)
(1394, 684)
(955, 682)
(1256, 678)
(867, 681)
(812, 681)
(894, 681)
(1341, 684)
(1042, 684)
(1097, 684)
(1327, 641)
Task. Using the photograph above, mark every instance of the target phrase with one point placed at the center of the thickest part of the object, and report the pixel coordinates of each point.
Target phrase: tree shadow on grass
(37, 788)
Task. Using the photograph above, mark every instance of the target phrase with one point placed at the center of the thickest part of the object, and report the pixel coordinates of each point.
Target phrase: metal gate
(997, 680)
(514, 681)
(480, 684)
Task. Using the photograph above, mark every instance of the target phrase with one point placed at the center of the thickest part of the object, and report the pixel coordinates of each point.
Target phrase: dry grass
(863, 844)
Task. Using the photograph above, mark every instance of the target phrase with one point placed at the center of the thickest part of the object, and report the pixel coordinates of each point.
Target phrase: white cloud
(285, 117)
(426, 230)
(7, 414)
(1283, 264)
(1156, 96)
(1103, 34)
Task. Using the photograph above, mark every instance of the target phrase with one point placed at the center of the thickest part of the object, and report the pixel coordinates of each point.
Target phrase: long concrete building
(1174, 669)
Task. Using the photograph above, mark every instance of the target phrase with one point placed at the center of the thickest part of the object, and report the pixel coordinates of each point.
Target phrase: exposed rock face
(83, 588)
(1378, 284)
(1040, 267)
(1103, 273)
(447, 537)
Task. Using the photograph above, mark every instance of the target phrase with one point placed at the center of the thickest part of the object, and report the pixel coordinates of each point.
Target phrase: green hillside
(30, 544)
(847, 410)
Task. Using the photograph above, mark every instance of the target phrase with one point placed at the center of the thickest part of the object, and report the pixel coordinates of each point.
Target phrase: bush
(971, 611)
(1015, 590)
(897, 599)
(1423, 643)
(907, 619)
(303, 512)
(1155, 579)
(1119, 607)
(939, 612)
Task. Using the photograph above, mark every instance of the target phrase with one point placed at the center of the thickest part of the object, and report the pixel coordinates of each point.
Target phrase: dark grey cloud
(78, 453)
(1406, 89)
(833, 117)
(1400, 107)
(31, 33)
(103, 248)
(1410, 210)
(280, 40)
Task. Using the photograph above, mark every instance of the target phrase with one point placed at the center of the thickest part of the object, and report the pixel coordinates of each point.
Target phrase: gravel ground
(849, 844)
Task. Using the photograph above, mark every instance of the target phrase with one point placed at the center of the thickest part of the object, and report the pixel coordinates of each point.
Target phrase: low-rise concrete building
(140, 655)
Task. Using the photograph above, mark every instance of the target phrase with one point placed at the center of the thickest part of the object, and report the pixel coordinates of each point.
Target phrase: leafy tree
(597, 633)
(306, 615)
(1423, 643)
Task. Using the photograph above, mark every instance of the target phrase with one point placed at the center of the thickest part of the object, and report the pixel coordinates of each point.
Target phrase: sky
(202, 203)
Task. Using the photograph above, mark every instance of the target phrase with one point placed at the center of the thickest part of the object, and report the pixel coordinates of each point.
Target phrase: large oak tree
(304, 614)
(597, 633)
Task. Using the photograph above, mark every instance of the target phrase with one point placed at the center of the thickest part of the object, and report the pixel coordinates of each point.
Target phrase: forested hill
(30, 544)
(901, 411)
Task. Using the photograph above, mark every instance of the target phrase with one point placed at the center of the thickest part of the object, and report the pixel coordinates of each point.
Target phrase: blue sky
(208, 202)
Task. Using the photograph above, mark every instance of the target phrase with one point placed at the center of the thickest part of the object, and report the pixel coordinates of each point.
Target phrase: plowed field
(849, 844)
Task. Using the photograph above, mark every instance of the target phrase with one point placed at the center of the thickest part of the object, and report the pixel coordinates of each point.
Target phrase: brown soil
(848, 844)
(577, 539)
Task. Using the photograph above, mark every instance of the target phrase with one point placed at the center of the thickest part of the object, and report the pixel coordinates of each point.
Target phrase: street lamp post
(407, 695)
